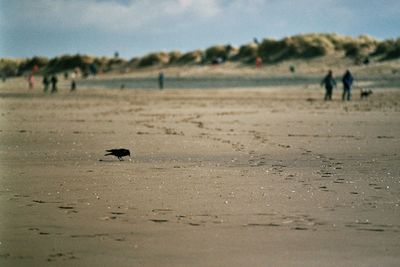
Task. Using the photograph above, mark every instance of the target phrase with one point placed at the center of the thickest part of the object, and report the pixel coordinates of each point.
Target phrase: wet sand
(228, 177)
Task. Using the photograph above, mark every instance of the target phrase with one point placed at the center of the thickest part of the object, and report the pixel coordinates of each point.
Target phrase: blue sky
(136, 27)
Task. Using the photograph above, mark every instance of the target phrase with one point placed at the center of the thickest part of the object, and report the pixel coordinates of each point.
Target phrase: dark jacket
(329, 82)
(347, 80)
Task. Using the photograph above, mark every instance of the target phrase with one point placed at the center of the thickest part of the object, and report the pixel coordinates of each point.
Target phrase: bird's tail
(108, 154)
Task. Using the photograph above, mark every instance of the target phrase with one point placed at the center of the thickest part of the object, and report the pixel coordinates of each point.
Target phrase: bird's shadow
(114, 160)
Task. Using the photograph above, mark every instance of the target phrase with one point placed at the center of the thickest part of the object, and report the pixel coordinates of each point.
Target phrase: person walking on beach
(46, 83)
(161, 80)
(73, 82)
(31, 81)
(347, 82)
(329, 83)
(73, 86)
(54, 81)
(258, 62)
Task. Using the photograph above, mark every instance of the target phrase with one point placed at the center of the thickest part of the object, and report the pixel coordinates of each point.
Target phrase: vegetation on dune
(154, 59)
(223, 52)
(362, 46)
(67, 62)
(394, 52)
(383, 48)
(174, 56)
(28, 64)
(390, 49)
(299, 46)
(305, 46)
(191, 57)
(134, 62)
(9, 67)
(247, 53)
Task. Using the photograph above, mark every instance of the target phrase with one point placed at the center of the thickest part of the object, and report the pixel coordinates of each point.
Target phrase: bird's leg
(120, 159)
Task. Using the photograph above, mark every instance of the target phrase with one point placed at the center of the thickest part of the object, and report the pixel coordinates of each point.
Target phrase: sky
(136, 27)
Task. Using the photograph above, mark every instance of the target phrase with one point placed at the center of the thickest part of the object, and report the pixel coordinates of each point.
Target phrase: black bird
(119, 153)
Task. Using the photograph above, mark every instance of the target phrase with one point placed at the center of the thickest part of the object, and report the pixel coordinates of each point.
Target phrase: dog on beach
(365, 93)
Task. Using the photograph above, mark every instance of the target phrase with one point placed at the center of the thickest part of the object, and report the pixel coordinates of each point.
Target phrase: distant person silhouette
(255, 40)
(31, 81)
(161, 80)
(73, 86)
(54, 81)
(46, 83)
(329, 83)
(73, 82)
(259, 62)
(347, 82)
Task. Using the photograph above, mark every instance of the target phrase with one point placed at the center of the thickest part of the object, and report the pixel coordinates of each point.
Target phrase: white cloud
(203, 8)
(108, 15)
(131, 16)
(141, 25)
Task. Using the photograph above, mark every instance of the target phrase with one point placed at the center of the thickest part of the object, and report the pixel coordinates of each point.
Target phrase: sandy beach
(219, 177)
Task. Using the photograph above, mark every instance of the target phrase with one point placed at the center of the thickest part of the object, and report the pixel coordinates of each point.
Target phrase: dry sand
(244, 177)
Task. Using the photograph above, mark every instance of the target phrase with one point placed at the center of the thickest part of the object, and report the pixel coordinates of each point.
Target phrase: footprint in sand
(161, 210)
(142, 133)
(290, 177)
(65, 207)
(339, 181)
(284, 146)
(263, 224)
(44, 233)
(61, 256)
(68, 209)
(368, 226)
(324, 188)
(170, 131)
(300, 228)
(35, 229)
(326, 174)
(117, 213)
(159, 220)
(39, 201)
